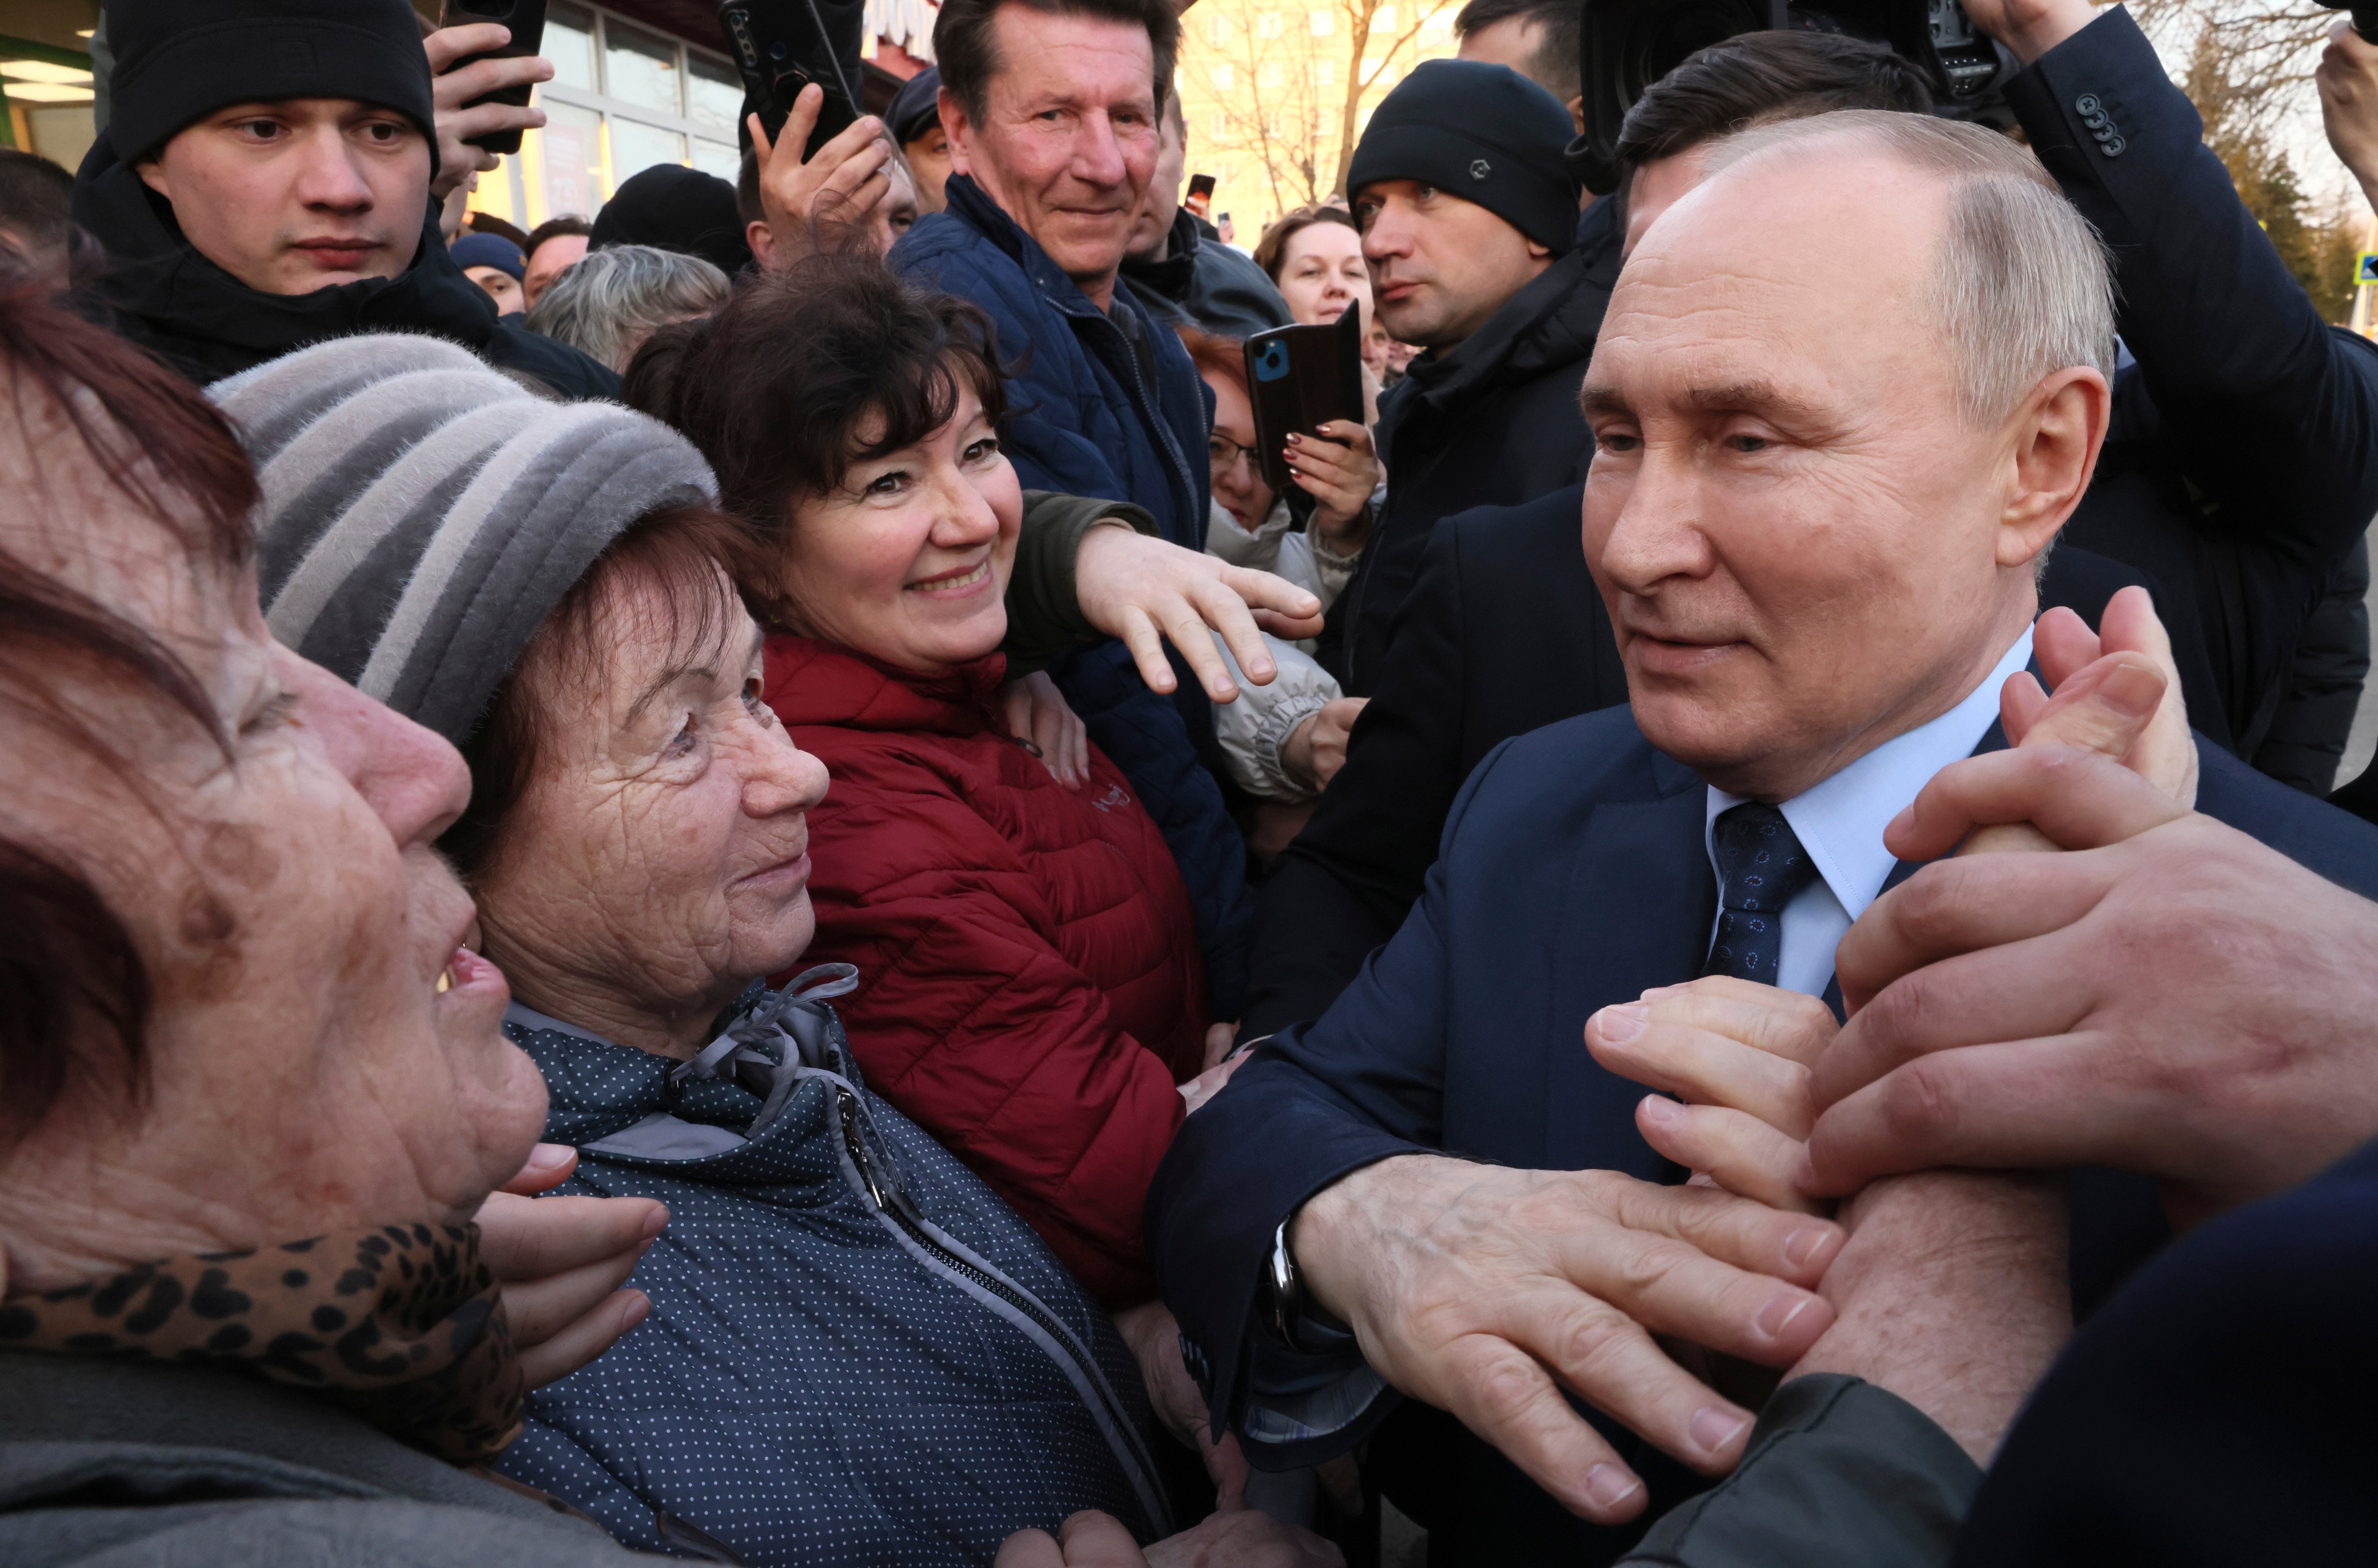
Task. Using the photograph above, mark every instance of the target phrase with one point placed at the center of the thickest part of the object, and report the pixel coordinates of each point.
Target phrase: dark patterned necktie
(1762, 867)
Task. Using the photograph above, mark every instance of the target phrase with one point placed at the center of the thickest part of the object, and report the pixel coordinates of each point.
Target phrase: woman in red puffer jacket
(1030, 990)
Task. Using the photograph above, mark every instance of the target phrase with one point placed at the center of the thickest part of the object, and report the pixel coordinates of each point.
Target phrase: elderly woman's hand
(1145, 590)
(1039, 715)
(561, 1262)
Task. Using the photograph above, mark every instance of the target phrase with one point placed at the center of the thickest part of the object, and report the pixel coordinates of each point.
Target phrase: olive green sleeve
(1044, 618)
(1839, 1474)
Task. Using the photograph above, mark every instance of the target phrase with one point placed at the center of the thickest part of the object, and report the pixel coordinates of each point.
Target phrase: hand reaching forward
(561, 1262)
(1486, 1291)
(1145, 590)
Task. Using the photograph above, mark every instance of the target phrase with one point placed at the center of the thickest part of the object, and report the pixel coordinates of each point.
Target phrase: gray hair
(615, 298)
(2023, 286)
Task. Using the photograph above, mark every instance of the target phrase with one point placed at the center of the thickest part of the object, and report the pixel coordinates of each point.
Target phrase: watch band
(1291, 1310)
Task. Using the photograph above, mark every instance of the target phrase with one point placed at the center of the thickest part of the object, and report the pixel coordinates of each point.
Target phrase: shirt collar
(1839, 820)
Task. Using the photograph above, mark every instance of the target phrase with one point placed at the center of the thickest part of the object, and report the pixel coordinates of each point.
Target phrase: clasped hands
(1495, 1293)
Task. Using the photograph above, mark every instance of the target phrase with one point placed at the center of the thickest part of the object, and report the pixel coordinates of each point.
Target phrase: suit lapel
(1639, 905)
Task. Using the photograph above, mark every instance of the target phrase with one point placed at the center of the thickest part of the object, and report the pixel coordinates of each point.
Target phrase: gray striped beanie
(423, 513)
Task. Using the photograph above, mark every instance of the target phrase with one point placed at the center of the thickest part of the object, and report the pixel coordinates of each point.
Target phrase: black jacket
(2308, 735)
(1493, 423)
(2242, 461)
(1206, 284)
(1505, 632)
(163, 294)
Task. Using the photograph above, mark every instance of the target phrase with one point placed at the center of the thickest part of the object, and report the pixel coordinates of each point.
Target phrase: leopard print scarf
(402, 1325)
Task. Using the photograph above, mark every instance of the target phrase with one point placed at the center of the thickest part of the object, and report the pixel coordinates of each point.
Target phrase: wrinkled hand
(1952, 1293)
(1316, 748)
(1154, 1337)
(1486, 1291)
(1741, 1055)
(2348, 79)
(2172, 998)
(562, 1260)
(841, 183)
(1337, 467)
(1143, 590)
(1038, 715)
(450, 89)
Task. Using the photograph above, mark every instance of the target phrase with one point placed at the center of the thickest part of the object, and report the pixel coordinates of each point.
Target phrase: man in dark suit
(1820, 495)
(2236, 537)
(2177, 1000)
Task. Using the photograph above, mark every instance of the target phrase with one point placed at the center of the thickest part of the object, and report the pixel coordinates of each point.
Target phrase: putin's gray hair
(611, 300)
(2022, 287)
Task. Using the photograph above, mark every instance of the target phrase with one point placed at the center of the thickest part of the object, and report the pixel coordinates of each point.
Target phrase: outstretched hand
(1145, 590)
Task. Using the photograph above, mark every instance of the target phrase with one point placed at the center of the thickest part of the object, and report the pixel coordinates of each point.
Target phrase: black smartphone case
(1298, 379)
(780, 47)
(526, 19)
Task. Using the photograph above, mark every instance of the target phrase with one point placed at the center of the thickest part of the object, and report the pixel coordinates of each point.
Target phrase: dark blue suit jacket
(1573, 873)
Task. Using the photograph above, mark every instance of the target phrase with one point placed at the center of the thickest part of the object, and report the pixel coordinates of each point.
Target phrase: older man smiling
(1826, 470)
(1051, 110)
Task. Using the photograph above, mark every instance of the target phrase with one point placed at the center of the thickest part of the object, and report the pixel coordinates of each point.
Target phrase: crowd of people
(681, 885)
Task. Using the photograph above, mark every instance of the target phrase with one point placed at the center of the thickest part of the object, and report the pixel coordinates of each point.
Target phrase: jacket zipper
(847, 1108)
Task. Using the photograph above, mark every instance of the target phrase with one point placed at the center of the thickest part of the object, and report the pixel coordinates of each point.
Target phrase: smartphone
(526, 19)
(780, 47)
(1298, 379)
(1201, 185)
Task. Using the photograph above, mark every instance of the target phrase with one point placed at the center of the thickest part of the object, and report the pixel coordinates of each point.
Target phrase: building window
(1224, 78)
(1267, 25)
(1268, 73)
(1217, 30)
(1323, 23)
(1219, 128)
(1382, 20)
(622, 99)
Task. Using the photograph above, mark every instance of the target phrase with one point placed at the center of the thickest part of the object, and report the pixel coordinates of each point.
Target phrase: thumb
(548, 1165)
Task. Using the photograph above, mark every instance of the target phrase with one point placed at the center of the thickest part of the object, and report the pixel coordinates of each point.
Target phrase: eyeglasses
(1222, 455)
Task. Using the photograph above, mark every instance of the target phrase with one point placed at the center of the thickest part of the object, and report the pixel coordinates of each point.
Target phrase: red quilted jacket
(1030, 990)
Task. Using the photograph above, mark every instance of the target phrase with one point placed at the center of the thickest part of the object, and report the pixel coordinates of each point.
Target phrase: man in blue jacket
(1052, 115)
(1821, 486)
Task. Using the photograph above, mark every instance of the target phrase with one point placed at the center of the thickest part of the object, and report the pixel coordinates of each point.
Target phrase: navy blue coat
(1107, 404)
(1573, 873)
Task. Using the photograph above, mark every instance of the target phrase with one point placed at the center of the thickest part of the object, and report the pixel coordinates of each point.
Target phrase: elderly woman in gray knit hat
(857, 1353)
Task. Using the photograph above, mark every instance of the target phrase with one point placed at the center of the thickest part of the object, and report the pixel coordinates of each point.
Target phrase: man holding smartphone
(269, 176)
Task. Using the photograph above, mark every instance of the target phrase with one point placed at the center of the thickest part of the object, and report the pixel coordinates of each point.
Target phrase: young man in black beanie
(1469, 219)
(264, 180)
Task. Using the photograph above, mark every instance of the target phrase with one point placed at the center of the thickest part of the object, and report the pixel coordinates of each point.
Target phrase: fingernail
(2131, 690)
(657, 1222)
(1715, 1426)
(1802, 1245)
(639, 1308)
(1777, 1315)
(550, 1157)
(1295, 439)
(1621, 1022)
(1662, 1110)
(1607, 1486)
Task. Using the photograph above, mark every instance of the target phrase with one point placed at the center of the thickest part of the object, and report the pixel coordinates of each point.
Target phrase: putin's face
(1802, 544)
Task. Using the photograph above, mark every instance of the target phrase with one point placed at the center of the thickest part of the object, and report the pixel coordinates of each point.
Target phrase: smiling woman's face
(908, 560)
(320, 1052)
(657, 860)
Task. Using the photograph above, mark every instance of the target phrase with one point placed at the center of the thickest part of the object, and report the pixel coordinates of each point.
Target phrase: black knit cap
(1483, 133)
(180, 60)
(916, 108)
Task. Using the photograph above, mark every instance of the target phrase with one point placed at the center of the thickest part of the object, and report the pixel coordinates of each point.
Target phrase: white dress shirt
(1839, 821)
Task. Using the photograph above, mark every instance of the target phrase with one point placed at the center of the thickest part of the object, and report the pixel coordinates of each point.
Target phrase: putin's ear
(2055, 435)
(762, 240)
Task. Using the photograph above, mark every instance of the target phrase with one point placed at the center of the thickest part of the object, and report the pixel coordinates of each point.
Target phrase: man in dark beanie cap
(264, 183)
(1469, 219)
(676, 209)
